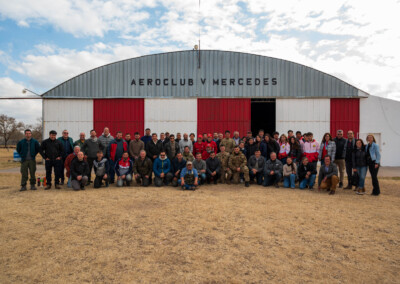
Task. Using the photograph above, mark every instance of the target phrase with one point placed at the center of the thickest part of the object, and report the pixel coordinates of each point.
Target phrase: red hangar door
(345, 115)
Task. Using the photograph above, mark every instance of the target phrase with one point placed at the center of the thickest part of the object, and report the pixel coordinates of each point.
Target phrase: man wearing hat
(210, 141)
(199, 146)
(189, 177)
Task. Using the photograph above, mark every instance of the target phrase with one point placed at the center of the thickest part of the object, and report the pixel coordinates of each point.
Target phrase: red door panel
(345, 115)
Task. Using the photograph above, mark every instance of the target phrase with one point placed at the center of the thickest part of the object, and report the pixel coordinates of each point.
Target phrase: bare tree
(9, 128)
(37, 129)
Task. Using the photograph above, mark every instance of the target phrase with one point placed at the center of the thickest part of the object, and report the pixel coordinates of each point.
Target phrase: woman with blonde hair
(284, 149)
(373, 160)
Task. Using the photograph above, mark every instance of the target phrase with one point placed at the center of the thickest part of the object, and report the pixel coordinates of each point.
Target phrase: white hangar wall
(72, 114)
(304, 115)
(381, 117)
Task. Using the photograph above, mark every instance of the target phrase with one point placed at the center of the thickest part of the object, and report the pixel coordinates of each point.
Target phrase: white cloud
(23, 110)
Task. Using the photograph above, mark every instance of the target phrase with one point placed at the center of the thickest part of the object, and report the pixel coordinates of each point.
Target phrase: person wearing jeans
(360, 165)
(307, 174)
(289, 173)
(374, 159)
(123, 169)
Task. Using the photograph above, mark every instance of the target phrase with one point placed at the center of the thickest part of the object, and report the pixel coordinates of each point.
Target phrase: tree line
(11, 130)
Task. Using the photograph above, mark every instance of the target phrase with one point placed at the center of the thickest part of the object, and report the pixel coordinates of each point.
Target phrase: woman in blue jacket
(374, 159)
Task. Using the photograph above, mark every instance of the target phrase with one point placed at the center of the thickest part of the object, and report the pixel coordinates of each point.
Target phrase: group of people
(211, 158)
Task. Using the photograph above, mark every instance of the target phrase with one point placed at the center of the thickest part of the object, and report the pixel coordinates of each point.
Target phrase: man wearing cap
(200, 165)
(226, 172)
(189, 177)
(206, 153)
(227, 142)
(185, 142)
(238, 164)
(52, 151)
(199, 146)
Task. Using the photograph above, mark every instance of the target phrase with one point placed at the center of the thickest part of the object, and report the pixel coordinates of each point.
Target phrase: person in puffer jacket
(101, 168)
(284, 149)
(123, 169)
(162, 170)
(310, 149)
(328, 147)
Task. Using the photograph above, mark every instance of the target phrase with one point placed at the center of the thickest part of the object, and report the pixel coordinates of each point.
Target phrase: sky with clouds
(45, 42)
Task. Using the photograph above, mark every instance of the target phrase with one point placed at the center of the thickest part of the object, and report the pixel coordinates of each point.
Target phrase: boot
(246, 184)
(33, 187)
(340, 184)
(276, 185)
(348, 187)
(48, 187)
(23, 188)
(332, 192)
(57, 186)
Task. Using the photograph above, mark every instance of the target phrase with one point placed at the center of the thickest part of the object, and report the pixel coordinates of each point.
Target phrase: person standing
(213, 168)
(199, 146)
(101, 168)
(123, 169)
(284, 149)
(327, 148)
(178, 137)
(128, 140)
(90, 149)
(136, 146)
(228, 142)
(142, 169)
(114, 152)
(360, 165)
(238, 165)
(68, 145)
(236, 137)
(374, 159)
(310, 149)
(146, 138)
(171, 148)
(154, 147)
(28, 148)
(256, 165)
(52, 152)
(163, 139)
(185, 142)
(81, 140)
(79, 172)
(105, 140)
(328, 175)
(210, 141)
(251, 147)
(295, 150)
(350, 146)
(340, 155)
(267, 146)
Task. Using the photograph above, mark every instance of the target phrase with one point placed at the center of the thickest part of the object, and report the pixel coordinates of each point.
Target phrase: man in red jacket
(199, 146)
(212, 143)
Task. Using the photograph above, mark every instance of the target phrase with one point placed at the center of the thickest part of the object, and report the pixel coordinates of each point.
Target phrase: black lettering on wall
(173, 83)
(266, 83)
(223, 82)
(149, 82)
(215, 81)
(257, 81)
(248, 81)
(203, 81)
(240, 81)
(232, 82)
(165, 82)
(133, 82)
(182, 82)
(190, 81)
(274, 81)
(158, 82)
(141, 82)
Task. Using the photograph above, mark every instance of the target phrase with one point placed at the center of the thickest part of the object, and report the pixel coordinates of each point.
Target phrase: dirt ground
(215, 234)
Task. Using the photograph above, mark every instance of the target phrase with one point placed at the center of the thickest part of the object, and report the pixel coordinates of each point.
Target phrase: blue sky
(45, 42)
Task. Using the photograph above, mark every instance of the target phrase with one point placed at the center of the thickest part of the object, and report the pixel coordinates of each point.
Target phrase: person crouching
(189, 177)
(123, 169)
(101, 168)
(79, 172)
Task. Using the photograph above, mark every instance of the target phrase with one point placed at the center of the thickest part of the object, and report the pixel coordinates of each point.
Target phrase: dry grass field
(6, 158)
(216, 234)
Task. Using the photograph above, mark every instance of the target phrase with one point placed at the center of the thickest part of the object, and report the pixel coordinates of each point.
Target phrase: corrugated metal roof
(222, 74)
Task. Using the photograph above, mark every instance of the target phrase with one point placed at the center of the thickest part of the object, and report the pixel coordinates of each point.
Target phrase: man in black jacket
(79, 172)
(171, 148)
(328, 175)
(213, 168)
(154, 147)
(52, 151)
(340, 155)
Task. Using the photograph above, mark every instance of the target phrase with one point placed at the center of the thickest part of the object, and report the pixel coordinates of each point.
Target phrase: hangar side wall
(381, 117)
(74, 115)
(304, 115)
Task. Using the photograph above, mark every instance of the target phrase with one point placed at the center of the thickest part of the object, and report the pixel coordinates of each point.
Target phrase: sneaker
(23, 188)
(276, 185)
(33, 187)
(348, 187)
(246, 184)
(332, 192)
(47, 187)
(82, 188)
(58, 186)
(340, 184)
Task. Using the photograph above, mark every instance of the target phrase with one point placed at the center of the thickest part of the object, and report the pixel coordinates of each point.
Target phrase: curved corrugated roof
(208, 73)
